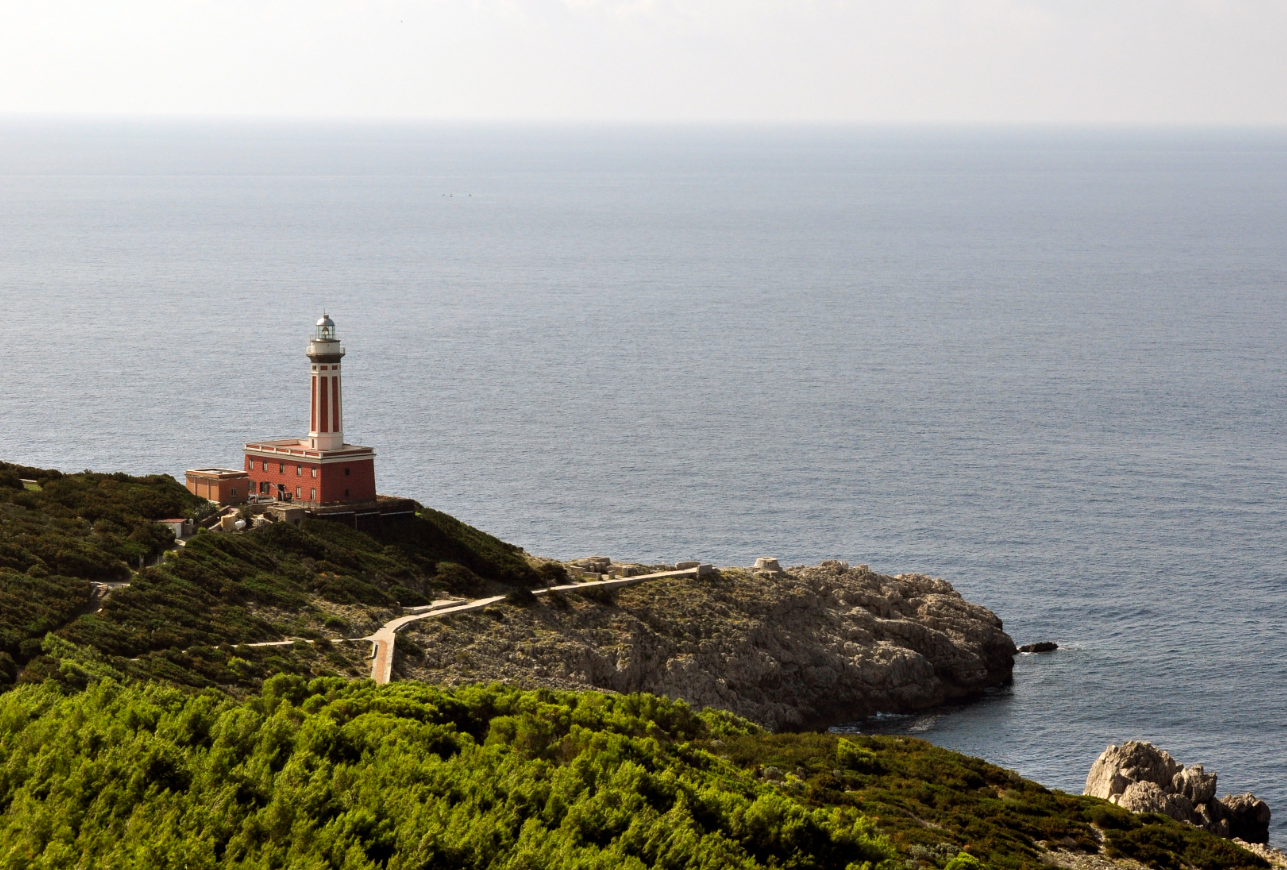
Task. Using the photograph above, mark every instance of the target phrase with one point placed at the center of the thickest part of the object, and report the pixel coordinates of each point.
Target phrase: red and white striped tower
(320, 470)
(326, 430)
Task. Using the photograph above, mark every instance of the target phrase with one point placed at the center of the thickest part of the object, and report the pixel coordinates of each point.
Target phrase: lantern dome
(325, 328)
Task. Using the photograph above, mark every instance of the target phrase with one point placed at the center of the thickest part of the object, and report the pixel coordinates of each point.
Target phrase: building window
(346, 493)
(264, 487)
(250, 465)
(265, 465)
(299, 469)
(281, 468)
(233, 492)
(315, 471)
(299, 492)
(312, 494)
(346, 472)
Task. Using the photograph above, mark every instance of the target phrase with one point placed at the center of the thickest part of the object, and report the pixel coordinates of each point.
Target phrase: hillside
(334, 773)
(179, 615)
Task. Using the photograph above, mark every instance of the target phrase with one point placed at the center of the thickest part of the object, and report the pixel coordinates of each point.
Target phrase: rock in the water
(1144, 779)
(1042, 647)
(1248, 817)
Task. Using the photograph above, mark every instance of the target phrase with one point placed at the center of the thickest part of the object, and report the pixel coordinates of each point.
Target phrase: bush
(553, 574)
(1109, 817)
(404, 645)
(521, 598)
(850, 756)
(963, 861)
(459, 579)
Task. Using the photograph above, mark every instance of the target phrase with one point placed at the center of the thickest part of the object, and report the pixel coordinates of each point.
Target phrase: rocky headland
(801, 648)
(1139, 777)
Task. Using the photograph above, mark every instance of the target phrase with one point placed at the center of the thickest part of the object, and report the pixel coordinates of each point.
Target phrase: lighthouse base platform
(371, 515)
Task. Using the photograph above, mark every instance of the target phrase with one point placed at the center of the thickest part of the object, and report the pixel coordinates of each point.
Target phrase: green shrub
(553, 574)
(458, 579)
(850, 756)
(407, 597)
(336, 623)
(406, 646)
(963, 861)
(521, 598)
(1109, 817)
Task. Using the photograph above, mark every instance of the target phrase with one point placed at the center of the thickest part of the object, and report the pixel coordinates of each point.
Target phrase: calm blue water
(1047, 365)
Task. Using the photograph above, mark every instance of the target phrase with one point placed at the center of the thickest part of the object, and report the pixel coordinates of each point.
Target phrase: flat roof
(217, 472)
(298, 447)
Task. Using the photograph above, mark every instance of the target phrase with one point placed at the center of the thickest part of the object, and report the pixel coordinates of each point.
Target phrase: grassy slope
(176, 619)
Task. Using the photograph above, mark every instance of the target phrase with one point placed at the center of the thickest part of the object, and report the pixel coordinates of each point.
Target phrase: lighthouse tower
(326, 431)
(321, 469)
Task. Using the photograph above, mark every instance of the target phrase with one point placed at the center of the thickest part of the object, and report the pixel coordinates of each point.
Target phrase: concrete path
(382, 640)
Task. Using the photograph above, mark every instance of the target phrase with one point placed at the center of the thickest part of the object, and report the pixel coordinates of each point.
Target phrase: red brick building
(320, 469)
(222, 485)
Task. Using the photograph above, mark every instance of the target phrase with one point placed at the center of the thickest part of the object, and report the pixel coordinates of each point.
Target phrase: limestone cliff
(804, 648)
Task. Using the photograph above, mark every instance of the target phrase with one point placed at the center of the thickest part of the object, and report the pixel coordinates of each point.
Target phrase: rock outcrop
(1044, 646)
(804, 647)
(1144, 779)
(1248, 817)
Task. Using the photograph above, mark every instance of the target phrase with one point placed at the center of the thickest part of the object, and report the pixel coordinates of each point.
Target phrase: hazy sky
(1116, 61)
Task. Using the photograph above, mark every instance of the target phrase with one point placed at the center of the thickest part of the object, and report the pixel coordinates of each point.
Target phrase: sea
(1046, 364)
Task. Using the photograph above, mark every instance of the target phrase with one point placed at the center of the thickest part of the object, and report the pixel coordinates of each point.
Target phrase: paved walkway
(382, 641)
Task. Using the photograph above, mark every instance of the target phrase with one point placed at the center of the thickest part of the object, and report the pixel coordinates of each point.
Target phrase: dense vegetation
(184, 608)
(333, 773)
(338, 773)
(92, 526)
(139, 735)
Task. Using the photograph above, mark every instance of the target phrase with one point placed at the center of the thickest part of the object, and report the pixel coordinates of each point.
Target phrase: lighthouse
(326, 431)
(321, 469)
